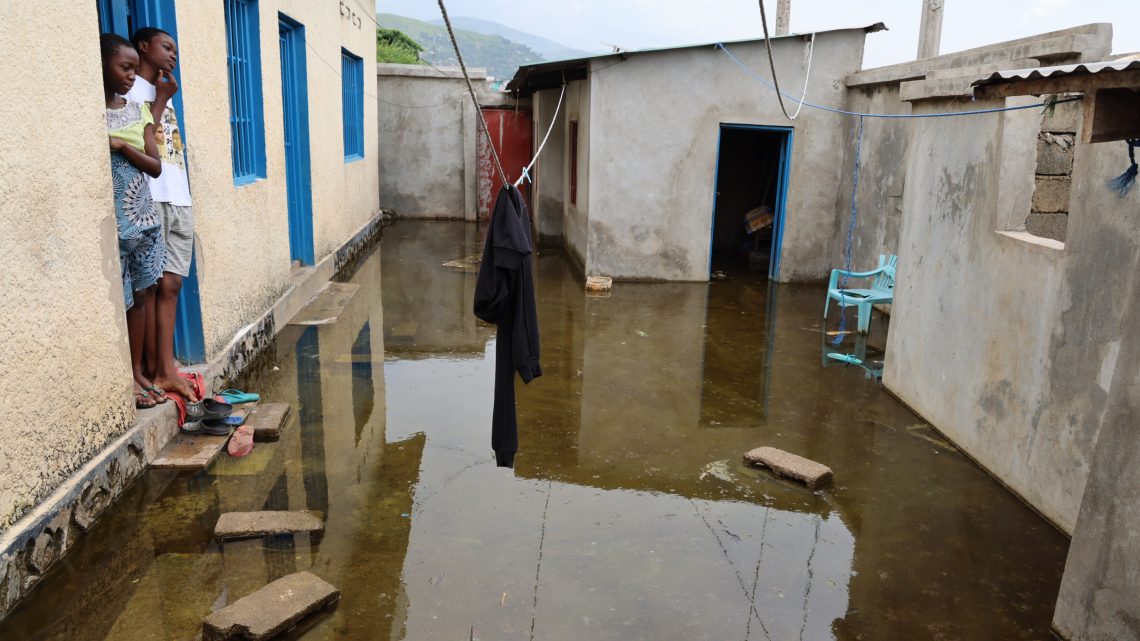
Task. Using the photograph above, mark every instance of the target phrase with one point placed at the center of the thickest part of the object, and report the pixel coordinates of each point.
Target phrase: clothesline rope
(553, 120)
(772, 65)
(471, 90)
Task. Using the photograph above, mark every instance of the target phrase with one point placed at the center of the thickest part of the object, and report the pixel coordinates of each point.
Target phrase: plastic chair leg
(864, 318)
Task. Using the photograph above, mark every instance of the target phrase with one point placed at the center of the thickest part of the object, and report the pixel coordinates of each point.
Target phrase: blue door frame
(781, 192)
(124, 17)
(295, 104)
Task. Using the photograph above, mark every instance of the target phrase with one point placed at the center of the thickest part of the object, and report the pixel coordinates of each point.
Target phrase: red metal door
(513, 138)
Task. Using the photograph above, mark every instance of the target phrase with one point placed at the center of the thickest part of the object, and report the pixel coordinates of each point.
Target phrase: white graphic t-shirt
(172, 186)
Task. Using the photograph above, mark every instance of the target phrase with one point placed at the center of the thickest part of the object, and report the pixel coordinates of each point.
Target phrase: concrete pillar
(783, 17)
(930, 30)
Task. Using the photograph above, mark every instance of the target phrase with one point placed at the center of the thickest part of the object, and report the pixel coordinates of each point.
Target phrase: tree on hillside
(393, 45)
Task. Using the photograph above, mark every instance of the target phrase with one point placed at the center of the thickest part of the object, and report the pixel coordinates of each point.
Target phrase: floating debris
(718, 470)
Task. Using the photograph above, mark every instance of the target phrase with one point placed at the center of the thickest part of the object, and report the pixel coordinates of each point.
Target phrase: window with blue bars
(247, 122)
(352, 101)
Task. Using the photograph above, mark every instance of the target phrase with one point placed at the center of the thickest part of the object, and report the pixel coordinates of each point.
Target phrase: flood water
(629, 514)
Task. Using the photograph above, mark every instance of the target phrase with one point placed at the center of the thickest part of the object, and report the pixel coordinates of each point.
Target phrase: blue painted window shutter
(247, 122)
(352, 101)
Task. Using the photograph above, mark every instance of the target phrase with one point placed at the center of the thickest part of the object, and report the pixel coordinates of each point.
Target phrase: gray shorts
(178, 234)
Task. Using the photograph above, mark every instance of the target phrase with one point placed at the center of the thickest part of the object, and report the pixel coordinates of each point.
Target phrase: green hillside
(501, 57)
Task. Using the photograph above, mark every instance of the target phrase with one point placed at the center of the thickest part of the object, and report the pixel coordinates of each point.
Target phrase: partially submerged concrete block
(237, 525)
(267, 419)
(790, 466)
(599, 284)
(271, 610)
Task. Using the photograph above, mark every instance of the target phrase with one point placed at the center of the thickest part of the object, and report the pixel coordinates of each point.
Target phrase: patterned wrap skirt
(142, 253)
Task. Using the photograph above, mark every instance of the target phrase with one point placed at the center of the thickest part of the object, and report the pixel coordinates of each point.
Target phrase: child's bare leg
(136, 336)
(166, 309)
(150, 347)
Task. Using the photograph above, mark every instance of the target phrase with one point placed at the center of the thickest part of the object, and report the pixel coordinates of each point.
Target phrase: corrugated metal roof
(523, 75)
(1079, 69)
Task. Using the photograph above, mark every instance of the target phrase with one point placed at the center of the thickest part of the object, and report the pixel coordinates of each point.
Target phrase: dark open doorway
(748, 210)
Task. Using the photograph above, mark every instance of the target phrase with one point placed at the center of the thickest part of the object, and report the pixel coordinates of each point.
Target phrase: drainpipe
(783, 17)
(930, 30)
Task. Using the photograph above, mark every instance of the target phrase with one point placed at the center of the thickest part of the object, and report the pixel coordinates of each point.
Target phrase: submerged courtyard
(629, 514)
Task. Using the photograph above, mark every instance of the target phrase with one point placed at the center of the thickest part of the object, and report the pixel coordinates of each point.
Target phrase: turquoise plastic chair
(882, 289)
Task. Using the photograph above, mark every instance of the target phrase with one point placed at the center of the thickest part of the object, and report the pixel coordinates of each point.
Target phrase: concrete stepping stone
(190, 452)
(789, 465)
(267, 419)
(239, 525)
(273, 609)
(326, 306)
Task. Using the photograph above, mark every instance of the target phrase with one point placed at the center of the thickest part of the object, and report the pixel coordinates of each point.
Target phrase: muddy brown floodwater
(629, 514)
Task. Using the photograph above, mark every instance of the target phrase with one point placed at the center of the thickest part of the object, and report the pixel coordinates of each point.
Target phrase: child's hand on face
(117, 144)
(166, 87)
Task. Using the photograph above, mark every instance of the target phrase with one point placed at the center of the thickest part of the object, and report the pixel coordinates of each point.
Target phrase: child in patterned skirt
(142, 253)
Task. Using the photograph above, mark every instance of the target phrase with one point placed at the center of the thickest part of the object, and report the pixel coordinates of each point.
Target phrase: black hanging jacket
(504, 295)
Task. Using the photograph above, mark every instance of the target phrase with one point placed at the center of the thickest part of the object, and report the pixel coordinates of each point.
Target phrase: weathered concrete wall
(66, 383)
(549, 193)
(576, 216)
(238, 282)
(654, 151)
(882, 177)
(1005, 341)
(1100, 591)
(428, 135)
(427, 141)
(882, 172)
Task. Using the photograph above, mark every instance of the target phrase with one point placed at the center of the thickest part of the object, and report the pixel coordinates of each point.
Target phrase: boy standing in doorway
(154, 87)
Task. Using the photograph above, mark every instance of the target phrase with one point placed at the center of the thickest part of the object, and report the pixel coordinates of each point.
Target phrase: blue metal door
(295, 103)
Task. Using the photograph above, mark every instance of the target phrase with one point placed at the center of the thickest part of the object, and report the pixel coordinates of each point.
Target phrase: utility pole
(783, 17)
(930, 30)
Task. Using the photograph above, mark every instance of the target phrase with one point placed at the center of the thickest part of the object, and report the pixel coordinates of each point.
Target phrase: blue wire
(850, 236)
(975, 112)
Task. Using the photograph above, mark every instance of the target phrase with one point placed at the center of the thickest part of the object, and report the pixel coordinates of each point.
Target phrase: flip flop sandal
(159, 394)
(207, 409)
(235, 421)
(140, 405)
(197, 381)
(236, 396)
(241, 443)
(216, 427)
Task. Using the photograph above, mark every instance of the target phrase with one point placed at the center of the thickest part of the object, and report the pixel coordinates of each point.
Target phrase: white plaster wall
(66, 384)
(1001, 342)
(655, 129)
(549, 172)
(575, 220)
(242, 231)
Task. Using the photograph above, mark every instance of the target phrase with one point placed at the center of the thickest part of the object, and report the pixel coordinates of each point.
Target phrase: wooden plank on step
(190, 452)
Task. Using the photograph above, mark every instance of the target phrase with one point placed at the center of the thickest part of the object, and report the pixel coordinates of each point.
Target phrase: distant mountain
(500, 56)
(548, 49)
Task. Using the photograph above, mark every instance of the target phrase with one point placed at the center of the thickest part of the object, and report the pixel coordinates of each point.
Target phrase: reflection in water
(628, 515)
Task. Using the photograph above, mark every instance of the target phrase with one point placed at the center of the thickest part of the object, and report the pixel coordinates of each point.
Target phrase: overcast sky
(639, 24)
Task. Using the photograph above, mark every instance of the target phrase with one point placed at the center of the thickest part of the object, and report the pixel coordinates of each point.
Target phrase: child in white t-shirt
(154, 87)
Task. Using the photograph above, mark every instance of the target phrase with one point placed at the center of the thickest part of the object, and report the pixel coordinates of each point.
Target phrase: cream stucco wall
(66, 380)
(243, 231)
(65, 385)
